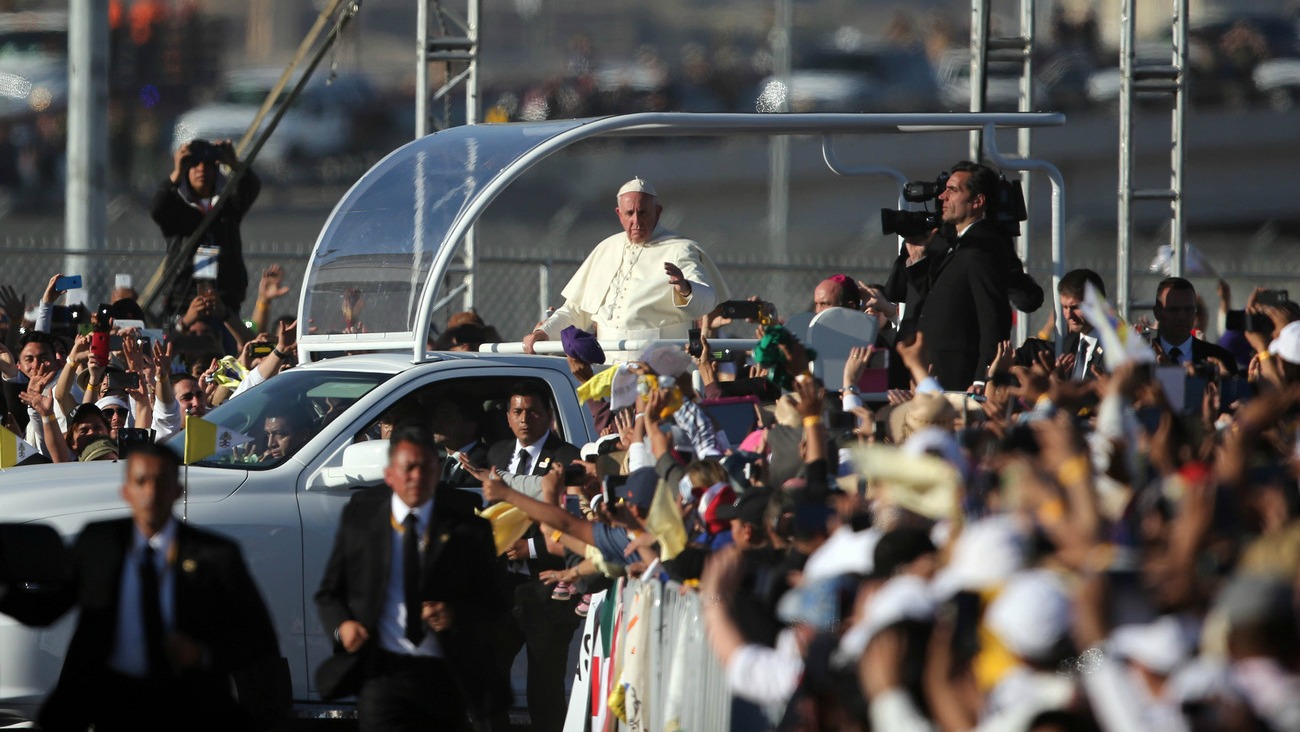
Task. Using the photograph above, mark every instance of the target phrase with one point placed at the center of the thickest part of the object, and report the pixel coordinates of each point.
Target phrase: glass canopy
(376, 268)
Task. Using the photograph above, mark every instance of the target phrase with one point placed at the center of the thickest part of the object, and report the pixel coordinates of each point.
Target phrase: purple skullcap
(581, 345)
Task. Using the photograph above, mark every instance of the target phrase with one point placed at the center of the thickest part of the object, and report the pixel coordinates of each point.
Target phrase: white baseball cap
(1287, 344)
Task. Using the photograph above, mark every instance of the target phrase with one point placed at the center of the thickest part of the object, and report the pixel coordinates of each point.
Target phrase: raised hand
(677, 280)
(271, 287)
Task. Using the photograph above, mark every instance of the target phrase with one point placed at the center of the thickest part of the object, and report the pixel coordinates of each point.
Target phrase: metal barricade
(672, 679)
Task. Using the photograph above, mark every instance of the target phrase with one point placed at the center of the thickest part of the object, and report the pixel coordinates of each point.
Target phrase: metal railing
(675, 680)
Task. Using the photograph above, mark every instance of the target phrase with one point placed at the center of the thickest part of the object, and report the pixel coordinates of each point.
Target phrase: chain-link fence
(510, 285)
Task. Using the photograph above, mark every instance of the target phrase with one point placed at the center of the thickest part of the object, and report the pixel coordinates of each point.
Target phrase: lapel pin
(189, 565)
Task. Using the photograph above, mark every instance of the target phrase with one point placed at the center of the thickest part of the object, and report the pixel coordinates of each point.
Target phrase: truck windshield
(281, 415)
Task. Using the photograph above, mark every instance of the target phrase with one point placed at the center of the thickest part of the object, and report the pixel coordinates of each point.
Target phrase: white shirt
(1087, 344)
(130, 655)
(534, 451)
(766, 676)
(392, 617)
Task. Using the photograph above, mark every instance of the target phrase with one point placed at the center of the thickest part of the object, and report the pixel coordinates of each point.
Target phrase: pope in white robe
(643, 283)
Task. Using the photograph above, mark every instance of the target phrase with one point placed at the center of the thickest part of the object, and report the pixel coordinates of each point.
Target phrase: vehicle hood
(41, 492)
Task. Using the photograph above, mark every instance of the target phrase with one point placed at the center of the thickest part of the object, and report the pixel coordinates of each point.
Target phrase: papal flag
(13, 449)
(203, 439)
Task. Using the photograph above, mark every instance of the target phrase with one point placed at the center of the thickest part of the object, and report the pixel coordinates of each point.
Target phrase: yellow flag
(509, 524)
(13, 449)
(203, 439)
(665, 522)
(598, 386)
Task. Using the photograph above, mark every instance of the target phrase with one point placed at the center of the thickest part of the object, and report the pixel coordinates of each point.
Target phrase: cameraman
(179, 206)
(966, 289)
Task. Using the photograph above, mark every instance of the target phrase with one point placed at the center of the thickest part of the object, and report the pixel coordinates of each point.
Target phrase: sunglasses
(115, 412)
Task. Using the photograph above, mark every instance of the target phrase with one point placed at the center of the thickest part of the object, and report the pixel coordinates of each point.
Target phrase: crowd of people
(1096, 529)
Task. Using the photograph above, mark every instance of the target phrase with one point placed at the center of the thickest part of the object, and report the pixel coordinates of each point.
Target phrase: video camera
(1006, 209)
(908, 224)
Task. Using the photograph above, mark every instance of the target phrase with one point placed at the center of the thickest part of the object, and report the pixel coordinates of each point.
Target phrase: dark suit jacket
(1095, 358)
(217, 604)
(457, 570)
(1203, 351)
(966, 311)
(502, 453)
(455, 476)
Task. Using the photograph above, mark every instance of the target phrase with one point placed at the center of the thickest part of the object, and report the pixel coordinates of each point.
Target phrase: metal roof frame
(652, 124)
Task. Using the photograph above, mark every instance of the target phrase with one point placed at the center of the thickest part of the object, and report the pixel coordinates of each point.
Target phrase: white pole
(85, 211)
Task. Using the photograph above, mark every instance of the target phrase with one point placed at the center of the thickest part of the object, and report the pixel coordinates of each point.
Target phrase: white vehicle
(282, 512)
(392, 239)
(1277, 80)
(1002, 83)
(322, 122)
(860, 78)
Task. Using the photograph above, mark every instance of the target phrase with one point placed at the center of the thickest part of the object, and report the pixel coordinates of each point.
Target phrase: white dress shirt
(1087, 343)
(534, 454)
(392, 617)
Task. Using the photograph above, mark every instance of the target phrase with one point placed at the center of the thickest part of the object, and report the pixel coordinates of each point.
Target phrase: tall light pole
(85, 210)
(778, 198)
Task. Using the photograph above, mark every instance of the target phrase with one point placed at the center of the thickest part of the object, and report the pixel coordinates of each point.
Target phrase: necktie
(524, 461)
(449, 468)
(151, 613)
(1176, 354)
(411, 577)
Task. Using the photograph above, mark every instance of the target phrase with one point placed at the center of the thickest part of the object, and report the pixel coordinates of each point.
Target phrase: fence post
(543, 287)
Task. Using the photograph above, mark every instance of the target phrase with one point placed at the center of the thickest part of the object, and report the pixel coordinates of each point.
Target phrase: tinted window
(282, 414)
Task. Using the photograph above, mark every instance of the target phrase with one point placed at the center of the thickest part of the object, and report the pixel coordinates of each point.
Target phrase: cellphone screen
(694, 347)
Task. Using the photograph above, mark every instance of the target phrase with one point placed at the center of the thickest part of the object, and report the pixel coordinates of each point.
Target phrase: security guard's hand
(438, 616)
(352, 635)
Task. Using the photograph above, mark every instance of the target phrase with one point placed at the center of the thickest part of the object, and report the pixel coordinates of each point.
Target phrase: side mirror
(35, 574)
(362, 465)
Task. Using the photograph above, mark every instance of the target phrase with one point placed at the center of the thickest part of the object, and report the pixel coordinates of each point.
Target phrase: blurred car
(1224, 54)
(33, 65)
(1064, 77)
(1104, 83)
(328, 119)
(1002, 84)
(31, 85)
(868, 78)
(1277, 81)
